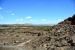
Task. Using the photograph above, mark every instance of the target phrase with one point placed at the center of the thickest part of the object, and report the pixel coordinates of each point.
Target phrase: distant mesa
(69, 21)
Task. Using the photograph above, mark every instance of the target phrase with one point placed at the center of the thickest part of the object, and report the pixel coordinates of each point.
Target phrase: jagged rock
(69, 21)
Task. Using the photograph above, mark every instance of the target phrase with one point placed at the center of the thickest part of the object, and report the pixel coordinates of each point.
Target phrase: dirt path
(22, 44)
(15, 47)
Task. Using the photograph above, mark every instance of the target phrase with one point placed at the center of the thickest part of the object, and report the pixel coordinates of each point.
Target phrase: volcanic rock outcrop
(70, 20)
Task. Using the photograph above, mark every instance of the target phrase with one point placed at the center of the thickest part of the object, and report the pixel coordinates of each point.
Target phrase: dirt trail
(17, 47)
(22, 44)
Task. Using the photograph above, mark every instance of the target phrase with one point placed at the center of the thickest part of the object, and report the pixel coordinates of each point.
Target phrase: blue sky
(35, 11)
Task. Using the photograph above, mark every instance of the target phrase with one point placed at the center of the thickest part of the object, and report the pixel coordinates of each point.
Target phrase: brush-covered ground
(55, 37)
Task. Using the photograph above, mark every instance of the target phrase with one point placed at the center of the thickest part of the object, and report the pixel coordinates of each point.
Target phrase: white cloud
(12, 13)
(44, 20)
(1, 8)
(60, 20)
(20, 20)
(28, 17)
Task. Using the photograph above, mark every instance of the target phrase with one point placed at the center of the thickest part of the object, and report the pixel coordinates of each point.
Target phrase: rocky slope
(61, 37)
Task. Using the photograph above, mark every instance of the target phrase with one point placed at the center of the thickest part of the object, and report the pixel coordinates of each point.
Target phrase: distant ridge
(22, 25)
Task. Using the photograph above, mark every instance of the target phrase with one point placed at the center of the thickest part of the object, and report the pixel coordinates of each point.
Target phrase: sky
(35, 11)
